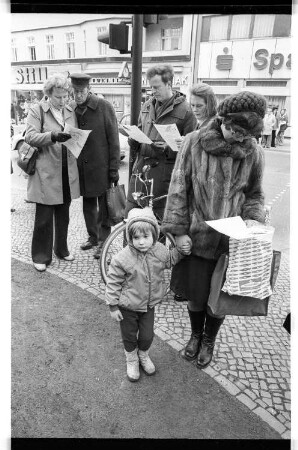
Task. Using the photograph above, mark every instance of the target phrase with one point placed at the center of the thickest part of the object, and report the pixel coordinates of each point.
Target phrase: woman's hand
(253, 223)
(184, 244)
(116, 315)
(179, 142)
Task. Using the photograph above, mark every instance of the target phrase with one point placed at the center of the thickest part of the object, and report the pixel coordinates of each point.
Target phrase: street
(68, 369)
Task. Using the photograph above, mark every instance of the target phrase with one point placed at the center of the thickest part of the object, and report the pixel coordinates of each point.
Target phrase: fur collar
(212, 141)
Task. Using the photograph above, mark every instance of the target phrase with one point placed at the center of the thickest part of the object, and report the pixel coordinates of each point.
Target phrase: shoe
(132, 365)
(40, 267)
(212, 327)
(179, 298)
(12, 209)
(146, 363)
(88, 244)
(197, 321)
(68, 258)
(97, 252)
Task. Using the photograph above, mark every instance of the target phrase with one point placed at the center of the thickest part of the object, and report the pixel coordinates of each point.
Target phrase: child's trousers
(137, 329)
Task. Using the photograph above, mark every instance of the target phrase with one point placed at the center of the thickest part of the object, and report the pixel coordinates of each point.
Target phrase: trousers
(96, 218)
(45, 218)
(137, 329)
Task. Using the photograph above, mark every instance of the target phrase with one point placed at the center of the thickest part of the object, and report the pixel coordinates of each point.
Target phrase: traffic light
(150, 19)
(116, 37)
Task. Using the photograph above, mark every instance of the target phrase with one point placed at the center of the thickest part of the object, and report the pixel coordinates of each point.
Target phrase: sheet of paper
(232, 226)
(78, 139)
(135, 133)
(169, 133)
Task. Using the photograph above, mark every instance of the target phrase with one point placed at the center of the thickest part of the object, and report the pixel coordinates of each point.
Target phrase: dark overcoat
(101, 152)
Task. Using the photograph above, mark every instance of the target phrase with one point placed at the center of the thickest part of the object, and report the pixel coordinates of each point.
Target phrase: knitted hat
(141, 215)
(242, 102)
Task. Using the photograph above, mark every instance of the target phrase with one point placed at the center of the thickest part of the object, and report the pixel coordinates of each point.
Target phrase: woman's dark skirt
(191, 278)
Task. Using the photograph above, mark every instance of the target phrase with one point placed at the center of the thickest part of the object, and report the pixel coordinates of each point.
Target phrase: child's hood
(143, 215)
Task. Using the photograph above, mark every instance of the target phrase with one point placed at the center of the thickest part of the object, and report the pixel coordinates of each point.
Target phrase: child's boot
(146, 363)
(132, 365)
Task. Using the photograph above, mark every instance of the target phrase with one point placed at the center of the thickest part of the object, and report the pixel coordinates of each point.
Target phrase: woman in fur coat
(218, 174)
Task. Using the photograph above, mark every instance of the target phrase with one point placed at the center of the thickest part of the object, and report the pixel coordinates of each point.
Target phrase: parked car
(18, 139)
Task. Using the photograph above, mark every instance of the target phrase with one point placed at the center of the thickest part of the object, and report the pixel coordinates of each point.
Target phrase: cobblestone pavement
(252, 355)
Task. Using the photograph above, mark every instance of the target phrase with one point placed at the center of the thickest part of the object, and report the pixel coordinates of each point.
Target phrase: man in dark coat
(99, 160)
(166, 106)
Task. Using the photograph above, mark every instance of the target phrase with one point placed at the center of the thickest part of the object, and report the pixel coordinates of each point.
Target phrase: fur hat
(141, 215)
(244, 101)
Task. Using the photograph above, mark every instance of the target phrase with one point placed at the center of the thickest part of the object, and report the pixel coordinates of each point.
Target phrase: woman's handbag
(116, 202)
(28, 154)
(27, 158)
(221, 303)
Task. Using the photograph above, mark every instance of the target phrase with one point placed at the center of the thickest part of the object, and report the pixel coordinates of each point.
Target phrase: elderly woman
(218, 174)
(203, 104)
(55, 181)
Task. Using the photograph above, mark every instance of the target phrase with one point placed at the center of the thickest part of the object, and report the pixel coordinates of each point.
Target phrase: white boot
(132, 365)
(146, 362)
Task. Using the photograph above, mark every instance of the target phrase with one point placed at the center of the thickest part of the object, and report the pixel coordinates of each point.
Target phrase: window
(85, 42)
(31, 48)
(219, 28)
(50, 46)
(171, 38)
(102, 48)
(263, 25)
(14, 50)
(240, 26)
(70, 45)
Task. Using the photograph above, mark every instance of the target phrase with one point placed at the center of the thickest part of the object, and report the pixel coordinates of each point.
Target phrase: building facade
(39, 52)
(246, 52)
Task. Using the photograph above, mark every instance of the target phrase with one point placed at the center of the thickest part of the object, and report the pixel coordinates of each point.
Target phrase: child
(135, 285)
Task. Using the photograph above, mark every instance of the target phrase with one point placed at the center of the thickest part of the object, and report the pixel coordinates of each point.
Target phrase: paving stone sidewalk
(252, 355)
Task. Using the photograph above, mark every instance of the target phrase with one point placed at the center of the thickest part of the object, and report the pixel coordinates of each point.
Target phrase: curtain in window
(219, 28)
(263, 25)
(240, 26)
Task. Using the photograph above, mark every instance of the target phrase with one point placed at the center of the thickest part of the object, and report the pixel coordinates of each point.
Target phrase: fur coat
(213, 180)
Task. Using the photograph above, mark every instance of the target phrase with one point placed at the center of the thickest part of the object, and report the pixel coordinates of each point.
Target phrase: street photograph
(150, 212)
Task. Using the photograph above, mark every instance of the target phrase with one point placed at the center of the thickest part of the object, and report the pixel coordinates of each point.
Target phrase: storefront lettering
(178, 80)
(114, 80)
(275, 61)
(29, 75)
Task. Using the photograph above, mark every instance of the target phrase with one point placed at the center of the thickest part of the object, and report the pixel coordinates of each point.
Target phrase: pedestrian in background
(218, 173)
(135, 285)
(203, 104)
(275, 126)
(269, 121)
(283, 125)
(166, 106)
(56, 180)
(99, 159)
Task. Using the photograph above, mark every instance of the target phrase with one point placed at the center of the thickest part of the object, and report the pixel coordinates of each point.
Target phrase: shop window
(240, 26)
(50, 46)
(171, 38)
(31, 48)
(102, 48)
(263, 25)
(70, 45)
(14, 50)
(85, 42)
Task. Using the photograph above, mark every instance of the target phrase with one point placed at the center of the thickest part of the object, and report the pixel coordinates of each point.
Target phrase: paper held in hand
(169, 133)
(135, 133)
(236, 228)
(77, 141)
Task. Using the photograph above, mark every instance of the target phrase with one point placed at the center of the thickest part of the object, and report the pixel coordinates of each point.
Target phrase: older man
(99, 160)
(166, 106)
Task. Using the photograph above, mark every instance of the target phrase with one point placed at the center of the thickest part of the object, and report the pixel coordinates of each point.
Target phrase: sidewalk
(252, 355)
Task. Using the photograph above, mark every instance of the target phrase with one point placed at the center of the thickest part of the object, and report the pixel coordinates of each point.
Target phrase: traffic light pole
(136, 73)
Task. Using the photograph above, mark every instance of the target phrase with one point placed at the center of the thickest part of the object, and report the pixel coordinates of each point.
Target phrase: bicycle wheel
(115, 242)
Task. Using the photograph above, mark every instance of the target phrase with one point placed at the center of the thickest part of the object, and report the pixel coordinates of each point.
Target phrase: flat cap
(80, 79)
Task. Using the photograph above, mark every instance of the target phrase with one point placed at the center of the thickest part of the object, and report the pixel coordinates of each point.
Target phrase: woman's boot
(146, 362)
(132, 365)
(212, 327)
(197, 320)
